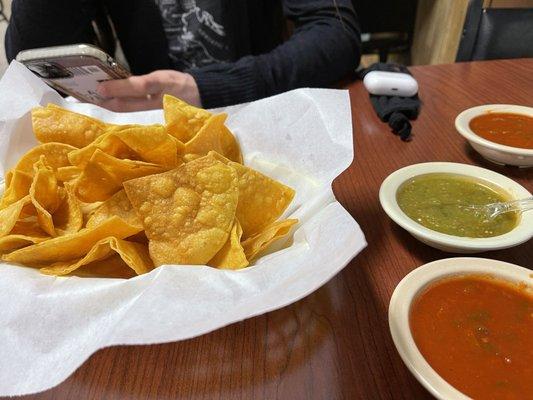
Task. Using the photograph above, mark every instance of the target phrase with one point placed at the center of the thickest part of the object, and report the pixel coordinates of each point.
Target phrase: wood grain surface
(335, 343)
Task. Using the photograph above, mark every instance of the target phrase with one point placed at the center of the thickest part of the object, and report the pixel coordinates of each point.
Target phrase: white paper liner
(50, 325)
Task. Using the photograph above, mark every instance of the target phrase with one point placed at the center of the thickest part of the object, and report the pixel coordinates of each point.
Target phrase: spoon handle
(517, 205)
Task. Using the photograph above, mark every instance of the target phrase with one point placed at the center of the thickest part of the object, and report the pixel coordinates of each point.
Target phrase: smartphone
(73, 69)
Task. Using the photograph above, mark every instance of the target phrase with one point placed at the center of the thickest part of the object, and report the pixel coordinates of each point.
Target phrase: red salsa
(476, 332)
(515, 130)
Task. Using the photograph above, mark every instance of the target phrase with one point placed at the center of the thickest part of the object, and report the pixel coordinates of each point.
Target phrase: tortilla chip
(89, 208)
(44, 195)
(56, 156)
(71, 247)
(260, 241)
(262, 200)
(68, 218)
(110, 267)
(104, 174)
(183, 121)
(135, 255)
(10, 215)
(188, 212)
(153, 144)
(118, 205)
(65, 174)
(18, 187)
(139, 238)
(7, 178)
(14, 242)
(108, 143)
(150, 143)
(190, 157)
(56, 124)
(44, 187)
(24, 233)
(214, 136)
(28, 226)
(231, 255)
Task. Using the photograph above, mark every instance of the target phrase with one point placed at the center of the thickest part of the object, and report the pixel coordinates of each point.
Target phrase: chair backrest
(493, 33)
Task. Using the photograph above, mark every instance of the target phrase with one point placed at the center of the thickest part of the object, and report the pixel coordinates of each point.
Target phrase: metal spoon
(492, 210)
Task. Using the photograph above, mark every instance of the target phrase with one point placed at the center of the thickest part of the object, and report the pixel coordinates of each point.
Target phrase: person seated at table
(210, 53)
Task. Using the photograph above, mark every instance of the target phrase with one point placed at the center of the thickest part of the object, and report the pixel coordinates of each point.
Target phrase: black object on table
(395, 110)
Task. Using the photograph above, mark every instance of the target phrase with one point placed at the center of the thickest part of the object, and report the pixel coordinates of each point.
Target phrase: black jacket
(324, 46)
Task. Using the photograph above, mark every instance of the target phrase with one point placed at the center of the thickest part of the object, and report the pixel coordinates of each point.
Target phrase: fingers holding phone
(90, 75)
(145, 92)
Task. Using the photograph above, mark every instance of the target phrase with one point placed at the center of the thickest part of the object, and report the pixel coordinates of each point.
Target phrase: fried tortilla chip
(262, 200)
(188, 212)
(260, 241)
(10, 215)
(89, 208)
(7, 178)
(214, 136)
(153, 144)
(24, 233)
(56, 156)
(45, 195)
(56, 124)
(14, 242)
(231, 255)
(118, 205)
(108, 143)
(139, 238)
(70, 247)
(190, 157)
(110, 267)
(18, 187)
(183, 121)
(44, 186)
(66, 174)
(28, 226)
(135, 255)
(68, 218)
(104, 174)
(150, 143)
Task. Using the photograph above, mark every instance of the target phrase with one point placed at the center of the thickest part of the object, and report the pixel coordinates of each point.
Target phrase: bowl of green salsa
(442, 202)
(438, 203)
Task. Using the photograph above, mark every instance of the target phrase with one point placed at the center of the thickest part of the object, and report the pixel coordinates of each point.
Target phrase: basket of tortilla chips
(151, 227)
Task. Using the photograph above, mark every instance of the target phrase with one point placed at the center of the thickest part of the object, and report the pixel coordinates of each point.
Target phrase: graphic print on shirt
(194, 33)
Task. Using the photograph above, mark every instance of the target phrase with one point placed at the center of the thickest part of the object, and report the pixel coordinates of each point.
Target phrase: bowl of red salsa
(464, 328)
(501, 133)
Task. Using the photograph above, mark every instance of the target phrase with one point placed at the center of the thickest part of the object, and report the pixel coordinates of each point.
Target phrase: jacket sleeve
(324, 48)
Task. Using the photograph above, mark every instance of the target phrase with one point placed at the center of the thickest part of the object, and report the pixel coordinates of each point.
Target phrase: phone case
(74, 69)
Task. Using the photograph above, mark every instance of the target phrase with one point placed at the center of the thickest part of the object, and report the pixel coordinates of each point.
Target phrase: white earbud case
(384, 83)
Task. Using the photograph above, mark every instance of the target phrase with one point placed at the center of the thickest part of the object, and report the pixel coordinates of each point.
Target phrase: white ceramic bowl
(520, 234)
(408, 289)
(495, 152)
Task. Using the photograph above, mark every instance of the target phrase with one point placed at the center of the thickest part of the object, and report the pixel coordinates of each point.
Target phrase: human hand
(145, 92)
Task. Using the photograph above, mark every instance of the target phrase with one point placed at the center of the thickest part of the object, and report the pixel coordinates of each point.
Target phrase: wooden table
(335, 343)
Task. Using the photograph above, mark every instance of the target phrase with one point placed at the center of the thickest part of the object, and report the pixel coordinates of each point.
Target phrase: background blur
(5, 8)
(415, 32)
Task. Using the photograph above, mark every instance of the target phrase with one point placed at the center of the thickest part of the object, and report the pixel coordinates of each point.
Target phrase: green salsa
(439, 201)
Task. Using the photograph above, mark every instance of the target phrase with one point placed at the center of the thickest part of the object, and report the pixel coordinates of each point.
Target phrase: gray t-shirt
(195, 32)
